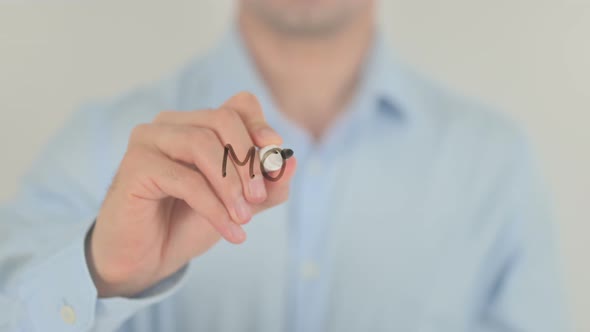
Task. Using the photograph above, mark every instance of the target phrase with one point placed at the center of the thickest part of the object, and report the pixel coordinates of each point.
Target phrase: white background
(530, 58)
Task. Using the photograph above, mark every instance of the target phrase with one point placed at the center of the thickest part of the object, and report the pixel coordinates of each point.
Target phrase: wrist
(105, 286)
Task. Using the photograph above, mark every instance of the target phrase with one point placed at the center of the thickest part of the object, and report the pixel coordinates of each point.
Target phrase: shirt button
(309, 270)
(68, 314)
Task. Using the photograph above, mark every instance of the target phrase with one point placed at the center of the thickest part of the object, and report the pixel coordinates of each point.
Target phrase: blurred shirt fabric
(420, 210)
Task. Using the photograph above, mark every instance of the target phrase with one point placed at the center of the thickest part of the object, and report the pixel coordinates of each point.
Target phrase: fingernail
(257, 188)
(243, 210)
(266, 134)
(237, 232)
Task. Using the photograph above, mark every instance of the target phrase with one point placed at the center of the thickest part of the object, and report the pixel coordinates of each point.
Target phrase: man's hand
(169, 202)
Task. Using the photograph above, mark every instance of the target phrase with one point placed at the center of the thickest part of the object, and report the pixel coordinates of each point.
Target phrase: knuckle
(138, 132)
(247, 98)
(207, 146)
(135, 153)
(206, 134)
(227, 115)
(189, 134)
(206, 111)
(192, 135)
(163, 116)
(136, 158)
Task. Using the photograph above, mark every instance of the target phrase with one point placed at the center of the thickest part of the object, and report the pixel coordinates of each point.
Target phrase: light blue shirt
(419, 211)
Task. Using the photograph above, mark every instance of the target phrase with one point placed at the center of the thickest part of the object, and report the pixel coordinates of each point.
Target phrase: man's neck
(311, 78)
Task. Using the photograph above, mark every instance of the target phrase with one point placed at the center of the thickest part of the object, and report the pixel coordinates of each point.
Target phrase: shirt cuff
(59, 294)
(113, 311)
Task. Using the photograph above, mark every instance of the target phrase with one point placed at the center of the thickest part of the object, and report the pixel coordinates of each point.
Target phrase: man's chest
(391, 233)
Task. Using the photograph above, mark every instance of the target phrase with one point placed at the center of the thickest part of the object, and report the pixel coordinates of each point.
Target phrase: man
(411, 209)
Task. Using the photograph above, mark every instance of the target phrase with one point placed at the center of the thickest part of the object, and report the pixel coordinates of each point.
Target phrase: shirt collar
(380, 82)
(381, 91)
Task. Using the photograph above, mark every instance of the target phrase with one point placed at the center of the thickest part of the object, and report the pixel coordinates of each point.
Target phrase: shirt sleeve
(45, 284)
(525, 289)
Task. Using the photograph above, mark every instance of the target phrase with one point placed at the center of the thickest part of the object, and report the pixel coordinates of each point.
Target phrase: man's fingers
(278, 191)
(180, 181)
(249, 109)
(230, 129)
(240, 122)
(199, 147)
